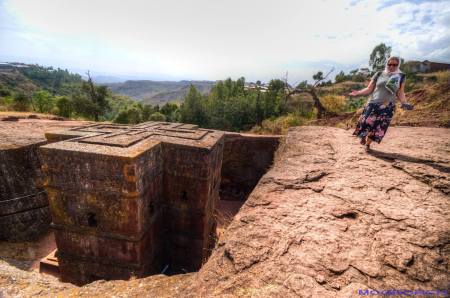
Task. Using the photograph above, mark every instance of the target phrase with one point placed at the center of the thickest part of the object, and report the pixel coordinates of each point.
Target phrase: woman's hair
(394, 58)
(397, 70)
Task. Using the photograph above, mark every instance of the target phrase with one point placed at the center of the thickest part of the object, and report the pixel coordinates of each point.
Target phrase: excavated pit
(246, 158)
(135, 200)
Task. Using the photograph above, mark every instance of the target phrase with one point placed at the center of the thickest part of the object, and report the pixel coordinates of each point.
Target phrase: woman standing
(384, 88)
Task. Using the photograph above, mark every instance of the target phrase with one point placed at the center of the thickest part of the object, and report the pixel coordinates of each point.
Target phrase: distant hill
(28, 78)
(100, 79)
(158, 92)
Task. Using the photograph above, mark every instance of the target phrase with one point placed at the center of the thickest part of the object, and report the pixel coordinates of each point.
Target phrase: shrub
(128, 116)
(4, 92)
(157, 117)
(355, 103)
(443, 76)
(65, 107)
(21, 102)
(334, 103)
(278, 125)
(42, 101)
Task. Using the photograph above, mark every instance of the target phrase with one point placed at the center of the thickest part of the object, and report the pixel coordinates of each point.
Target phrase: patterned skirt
(374, 121)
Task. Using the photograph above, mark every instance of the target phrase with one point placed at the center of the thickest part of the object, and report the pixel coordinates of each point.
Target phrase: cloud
(202, 39)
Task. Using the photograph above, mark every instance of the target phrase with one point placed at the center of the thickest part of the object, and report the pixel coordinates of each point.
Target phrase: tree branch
(312, 91)
(320, 80)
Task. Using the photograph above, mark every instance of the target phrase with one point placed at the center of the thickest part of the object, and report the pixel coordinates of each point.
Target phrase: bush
(42, 101)
(4, 92)
(157, 117)
(306, 109)
(334, 103)
(278, 125)
(443, 76)
(65, 107)
(355, 103)
(358, 78)
(129, 116)
(21, 102)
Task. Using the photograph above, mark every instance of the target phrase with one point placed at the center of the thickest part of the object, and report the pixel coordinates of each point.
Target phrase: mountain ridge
(158, 92)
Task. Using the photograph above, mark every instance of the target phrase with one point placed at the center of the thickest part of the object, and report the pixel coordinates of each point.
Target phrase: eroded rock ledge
(330, 219)
(327, 220)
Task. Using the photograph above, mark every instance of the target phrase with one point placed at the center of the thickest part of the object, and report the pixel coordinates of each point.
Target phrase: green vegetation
(230, 105)
(56, 81)
(379, 56)
(158, 92)
(353, 76)
(56, 91)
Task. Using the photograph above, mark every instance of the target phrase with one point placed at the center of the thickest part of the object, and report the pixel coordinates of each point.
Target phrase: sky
(213, 40)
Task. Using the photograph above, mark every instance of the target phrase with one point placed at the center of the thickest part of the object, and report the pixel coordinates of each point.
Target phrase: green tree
(168, 110)
(4, 91)
(65, 107)
(273, 98)
(379, 56)
(21, 102)
(217, 100)
(302, 85)
(193, 109)
(130, 115)
(340, 77)
(82, 105)
(42, 101)
(318, 76)
(157, 116)
(122, 117)
(97, 95)
(146, 111)
(56, 81)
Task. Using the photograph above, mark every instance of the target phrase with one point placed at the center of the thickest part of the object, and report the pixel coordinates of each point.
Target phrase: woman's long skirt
(374, 121)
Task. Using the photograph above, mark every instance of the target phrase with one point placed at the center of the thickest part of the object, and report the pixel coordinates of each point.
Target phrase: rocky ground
(326, 221)
(18, 129)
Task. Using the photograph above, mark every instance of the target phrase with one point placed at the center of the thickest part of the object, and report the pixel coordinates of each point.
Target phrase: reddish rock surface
(326, 221)
(330, 219)
(246, 158)
(29, 131)
(132, 200)
(24, 212)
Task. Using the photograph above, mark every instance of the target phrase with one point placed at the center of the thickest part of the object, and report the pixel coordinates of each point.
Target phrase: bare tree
(321, 111)
(97, 97)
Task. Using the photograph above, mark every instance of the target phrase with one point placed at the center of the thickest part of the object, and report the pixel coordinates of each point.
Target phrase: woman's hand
(354, 93)
(366, 91)
(407, 106)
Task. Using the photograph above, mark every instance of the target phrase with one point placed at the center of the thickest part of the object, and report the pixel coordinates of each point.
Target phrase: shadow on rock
(391, 157)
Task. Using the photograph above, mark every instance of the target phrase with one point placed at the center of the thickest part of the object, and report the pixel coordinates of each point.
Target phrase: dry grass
(443, 76)
(342, 88)
(436, 77)
(334, 103)
(25, 114)
(280, 125)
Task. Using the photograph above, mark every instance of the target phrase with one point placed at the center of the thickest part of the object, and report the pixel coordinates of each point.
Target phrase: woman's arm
(366, 91)
(401, 93)
(401, 96)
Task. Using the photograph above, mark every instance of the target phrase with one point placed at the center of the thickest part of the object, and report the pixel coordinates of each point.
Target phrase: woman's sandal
(367, 148)
(363, 141)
